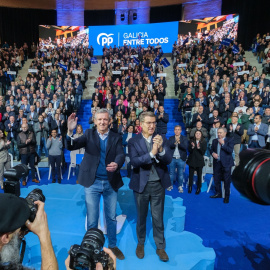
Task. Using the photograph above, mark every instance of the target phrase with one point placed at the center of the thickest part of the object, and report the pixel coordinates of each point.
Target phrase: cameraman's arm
(41, 229)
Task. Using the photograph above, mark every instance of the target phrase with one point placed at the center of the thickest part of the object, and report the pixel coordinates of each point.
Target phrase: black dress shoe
(53, 181)
(189, 189)
(217, 195)
(198, 191)
(140, 251)
(226, 200)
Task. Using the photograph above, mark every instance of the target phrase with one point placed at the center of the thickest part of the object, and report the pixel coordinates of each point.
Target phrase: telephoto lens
(252, 176)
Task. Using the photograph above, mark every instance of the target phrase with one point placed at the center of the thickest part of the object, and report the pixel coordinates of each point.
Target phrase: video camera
(89, 253)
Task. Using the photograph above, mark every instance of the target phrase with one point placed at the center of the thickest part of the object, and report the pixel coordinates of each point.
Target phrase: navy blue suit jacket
(114, 153)
(142, 162)
(226, 150)
(125, 142)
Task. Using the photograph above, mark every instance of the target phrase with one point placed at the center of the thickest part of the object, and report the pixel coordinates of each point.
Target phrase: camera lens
(33, 196)
(93, 239)
(252, 176)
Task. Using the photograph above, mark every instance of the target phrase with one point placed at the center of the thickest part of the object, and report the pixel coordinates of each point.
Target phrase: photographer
(12, 219)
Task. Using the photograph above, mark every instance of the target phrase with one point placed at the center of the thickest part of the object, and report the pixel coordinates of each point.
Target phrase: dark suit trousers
(155, 194)
(199, 175)
(222, 173)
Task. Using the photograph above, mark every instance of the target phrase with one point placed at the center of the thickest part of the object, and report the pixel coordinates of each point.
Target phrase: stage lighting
(252, 176)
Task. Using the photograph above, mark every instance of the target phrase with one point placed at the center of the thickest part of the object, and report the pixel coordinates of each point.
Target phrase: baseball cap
(14, 212)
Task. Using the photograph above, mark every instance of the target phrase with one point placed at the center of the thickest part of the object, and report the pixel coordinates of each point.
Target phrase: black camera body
(13, 176)
(89, 253)
(12, 185)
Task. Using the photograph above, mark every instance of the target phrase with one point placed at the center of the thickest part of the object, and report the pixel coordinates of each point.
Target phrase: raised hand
(72, 123)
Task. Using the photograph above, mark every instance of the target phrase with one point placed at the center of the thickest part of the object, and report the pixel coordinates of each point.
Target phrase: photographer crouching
(14, 224)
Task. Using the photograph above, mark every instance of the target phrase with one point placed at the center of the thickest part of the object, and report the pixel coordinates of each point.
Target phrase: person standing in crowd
(221, 150)
(100, 171)
(257, 133)
(79, 133)
(27, 147)
(32, 117)
(162, 121)
(195, 161)
(41, 129)
(246, 120)
(236, 131)
(213, 135)
(178, 144)
(12, 130)
(123, 128)
(126, 137)
(149, 155)
(54, 146)
(5, 161)
(78, 96)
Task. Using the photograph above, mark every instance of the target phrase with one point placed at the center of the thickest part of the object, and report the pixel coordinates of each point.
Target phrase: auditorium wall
(202, 9)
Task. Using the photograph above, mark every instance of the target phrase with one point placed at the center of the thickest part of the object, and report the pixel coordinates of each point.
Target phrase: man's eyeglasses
(150, 123)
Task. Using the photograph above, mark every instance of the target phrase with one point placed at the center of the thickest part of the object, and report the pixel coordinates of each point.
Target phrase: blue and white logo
(163, 34)
(106, 39)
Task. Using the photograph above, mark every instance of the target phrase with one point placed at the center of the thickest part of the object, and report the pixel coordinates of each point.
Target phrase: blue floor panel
(66, 212)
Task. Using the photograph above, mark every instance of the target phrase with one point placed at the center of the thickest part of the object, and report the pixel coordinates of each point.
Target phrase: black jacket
(196, 156)
(236, 135)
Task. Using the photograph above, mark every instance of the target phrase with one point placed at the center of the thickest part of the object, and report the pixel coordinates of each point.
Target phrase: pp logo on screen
(105, 39)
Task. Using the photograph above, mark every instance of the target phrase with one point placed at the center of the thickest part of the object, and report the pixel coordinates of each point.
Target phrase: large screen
(154, 34)
(163, 34)
(216, 28)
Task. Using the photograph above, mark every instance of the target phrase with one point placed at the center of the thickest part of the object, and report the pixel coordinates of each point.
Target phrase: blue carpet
(238, 232)
(66, 215)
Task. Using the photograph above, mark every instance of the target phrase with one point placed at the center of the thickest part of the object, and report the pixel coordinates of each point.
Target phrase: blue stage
(236, 233)
(66, 214)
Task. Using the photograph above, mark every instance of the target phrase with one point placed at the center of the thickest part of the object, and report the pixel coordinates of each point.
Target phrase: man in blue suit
(221, 150)
(149, 155)
(100, 171)
(257, 133)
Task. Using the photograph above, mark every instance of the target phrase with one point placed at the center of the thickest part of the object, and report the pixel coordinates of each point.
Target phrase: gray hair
(145, 114)
(223, 128)
(102, 111)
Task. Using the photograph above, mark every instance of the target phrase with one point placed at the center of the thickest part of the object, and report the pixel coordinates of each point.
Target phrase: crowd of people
(225, 107)
(261, 49)
(219, 91)
(34, 110)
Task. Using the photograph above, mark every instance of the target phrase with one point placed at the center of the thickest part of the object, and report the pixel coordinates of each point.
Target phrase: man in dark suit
(149, 155)
(12, 132)
(226, 109)
(162, 121)
(100, 171)
(235, 130)
(221, 151)
(200, 116)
